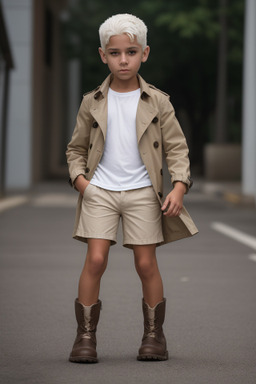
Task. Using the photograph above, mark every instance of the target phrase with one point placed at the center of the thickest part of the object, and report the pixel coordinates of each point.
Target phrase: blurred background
(202, 54)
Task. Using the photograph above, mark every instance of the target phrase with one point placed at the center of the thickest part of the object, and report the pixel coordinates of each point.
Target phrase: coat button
(160, 195)
(161, 172)
(87, 170)
(90, 146)
(95, 124)
(156, 144)
(155, 120)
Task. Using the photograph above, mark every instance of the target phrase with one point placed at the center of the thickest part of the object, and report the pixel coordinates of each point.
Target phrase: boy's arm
(176, 154)
(77, 149)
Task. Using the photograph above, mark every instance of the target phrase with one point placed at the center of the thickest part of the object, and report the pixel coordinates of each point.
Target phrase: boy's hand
(81, 184)
(174, 200)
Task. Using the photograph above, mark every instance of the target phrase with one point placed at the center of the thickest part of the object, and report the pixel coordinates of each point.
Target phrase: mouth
(124, 70)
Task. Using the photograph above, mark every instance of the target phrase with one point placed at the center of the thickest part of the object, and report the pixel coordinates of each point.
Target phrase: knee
(146, 268)
(96, 264)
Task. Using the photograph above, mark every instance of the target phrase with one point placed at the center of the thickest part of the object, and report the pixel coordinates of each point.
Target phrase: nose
(123, 59)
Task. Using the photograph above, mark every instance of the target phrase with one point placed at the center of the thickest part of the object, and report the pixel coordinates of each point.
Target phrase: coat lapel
(99, 107)
(99, 111)
(145, 115)
(145, 112)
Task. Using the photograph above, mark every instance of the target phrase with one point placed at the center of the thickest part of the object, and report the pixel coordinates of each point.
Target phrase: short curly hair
(123, 23)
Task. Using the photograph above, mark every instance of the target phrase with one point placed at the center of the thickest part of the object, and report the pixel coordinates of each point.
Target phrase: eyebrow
(117, 49)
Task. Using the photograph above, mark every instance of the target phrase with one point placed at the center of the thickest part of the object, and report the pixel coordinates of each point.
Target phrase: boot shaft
(153, 346)
(84, 348)
(87, 317)
(153, 318)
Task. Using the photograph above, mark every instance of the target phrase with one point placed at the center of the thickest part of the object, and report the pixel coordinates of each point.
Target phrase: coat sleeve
(175, 146)
(77, 149)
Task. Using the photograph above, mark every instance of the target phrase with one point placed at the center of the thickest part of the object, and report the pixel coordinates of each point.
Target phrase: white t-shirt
(121, 167)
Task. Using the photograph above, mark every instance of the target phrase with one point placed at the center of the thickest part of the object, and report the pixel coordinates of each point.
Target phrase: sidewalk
(50, 193)
(228, 190)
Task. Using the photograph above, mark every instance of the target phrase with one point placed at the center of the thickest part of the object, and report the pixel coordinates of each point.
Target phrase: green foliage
(190, 24)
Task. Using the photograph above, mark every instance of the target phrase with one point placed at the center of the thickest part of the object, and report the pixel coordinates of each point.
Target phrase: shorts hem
(129, 243)
(84, 237)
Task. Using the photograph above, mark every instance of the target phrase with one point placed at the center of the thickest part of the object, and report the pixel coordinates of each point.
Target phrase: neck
(130, 85)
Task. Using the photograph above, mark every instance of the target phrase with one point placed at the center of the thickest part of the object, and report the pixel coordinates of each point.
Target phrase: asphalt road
(210, 286)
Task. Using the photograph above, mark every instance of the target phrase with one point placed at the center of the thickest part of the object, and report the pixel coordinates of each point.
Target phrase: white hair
(123, 23)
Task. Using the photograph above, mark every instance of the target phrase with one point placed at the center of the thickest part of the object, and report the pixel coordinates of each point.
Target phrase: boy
(115, 162)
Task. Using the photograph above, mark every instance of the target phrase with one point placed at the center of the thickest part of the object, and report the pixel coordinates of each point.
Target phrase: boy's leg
(147, 269)
(153, 346)
(88, 305)
(94, 267)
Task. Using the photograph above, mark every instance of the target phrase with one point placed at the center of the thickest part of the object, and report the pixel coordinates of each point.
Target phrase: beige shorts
(138, 209)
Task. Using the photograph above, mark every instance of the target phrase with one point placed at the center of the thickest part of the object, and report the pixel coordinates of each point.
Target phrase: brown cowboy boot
(84, 348)
(153, 345)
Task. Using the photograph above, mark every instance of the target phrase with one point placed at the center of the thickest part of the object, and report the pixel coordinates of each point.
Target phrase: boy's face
(123, 57)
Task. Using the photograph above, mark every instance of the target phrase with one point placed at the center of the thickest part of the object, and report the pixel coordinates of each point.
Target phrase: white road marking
(242, 237)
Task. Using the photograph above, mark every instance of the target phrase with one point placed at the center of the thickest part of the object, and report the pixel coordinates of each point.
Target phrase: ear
(145, 54)
(102, 55)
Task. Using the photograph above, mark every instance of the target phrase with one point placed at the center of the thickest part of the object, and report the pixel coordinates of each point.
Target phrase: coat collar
(145, 114)
(102, 90)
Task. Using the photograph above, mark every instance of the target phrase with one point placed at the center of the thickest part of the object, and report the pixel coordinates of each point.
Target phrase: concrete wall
(18, 17)
(249, 102)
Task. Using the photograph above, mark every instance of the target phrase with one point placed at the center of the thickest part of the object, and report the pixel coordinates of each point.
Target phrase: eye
(113, 53)
(132, 52)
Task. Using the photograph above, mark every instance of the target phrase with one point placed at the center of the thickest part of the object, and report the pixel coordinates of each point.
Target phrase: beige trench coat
(158, 131)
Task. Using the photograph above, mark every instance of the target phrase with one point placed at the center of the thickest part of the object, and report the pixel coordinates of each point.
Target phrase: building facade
(37, 113)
